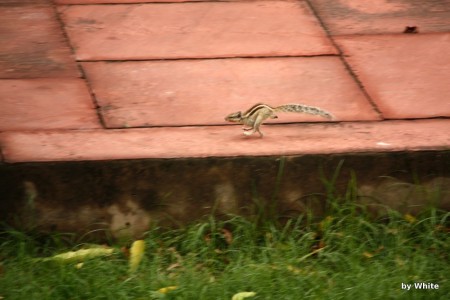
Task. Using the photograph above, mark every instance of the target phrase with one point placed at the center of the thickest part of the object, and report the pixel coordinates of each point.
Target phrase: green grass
(347, 255)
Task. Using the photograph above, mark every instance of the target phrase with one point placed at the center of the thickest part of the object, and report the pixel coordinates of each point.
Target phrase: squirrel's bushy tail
(301, 108)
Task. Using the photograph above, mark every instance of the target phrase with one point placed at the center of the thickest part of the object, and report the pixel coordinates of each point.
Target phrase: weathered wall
(127, 197)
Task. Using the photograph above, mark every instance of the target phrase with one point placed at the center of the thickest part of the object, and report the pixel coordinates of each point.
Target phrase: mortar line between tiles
(205, 58)
(163, 3)
(220, 125)
(344, 61)
(80, 68)
(325, 123)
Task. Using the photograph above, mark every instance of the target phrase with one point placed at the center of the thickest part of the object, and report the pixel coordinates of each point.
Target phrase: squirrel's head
(234, 117)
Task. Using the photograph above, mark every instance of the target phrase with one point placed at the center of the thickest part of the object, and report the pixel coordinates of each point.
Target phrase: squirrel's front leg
(256, 125)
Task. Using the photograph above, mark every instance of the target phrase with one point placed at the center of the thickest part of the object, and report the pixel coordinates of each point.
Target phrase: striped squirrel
(258, 113)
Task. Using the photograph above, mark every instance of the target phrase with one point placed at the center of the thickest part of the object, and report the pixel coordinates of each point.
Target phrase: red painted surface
(349, 17)
(46, 103)
(203, 92)
(32, 44)
(194, 30)
(193, 63)
(407, 76)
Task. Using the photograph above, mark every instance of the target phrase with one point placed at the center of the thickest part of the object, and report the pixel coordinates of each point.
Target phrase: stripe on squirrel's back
(255, 107)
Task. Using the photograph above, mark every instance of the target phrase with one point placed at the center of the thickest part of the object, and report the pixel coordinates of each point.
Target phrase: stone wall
(128, 197)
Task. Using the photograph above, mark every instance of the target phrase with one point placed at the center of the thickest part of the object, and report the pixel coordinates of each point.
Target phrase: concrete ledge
(225, 141)
(126, 197)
